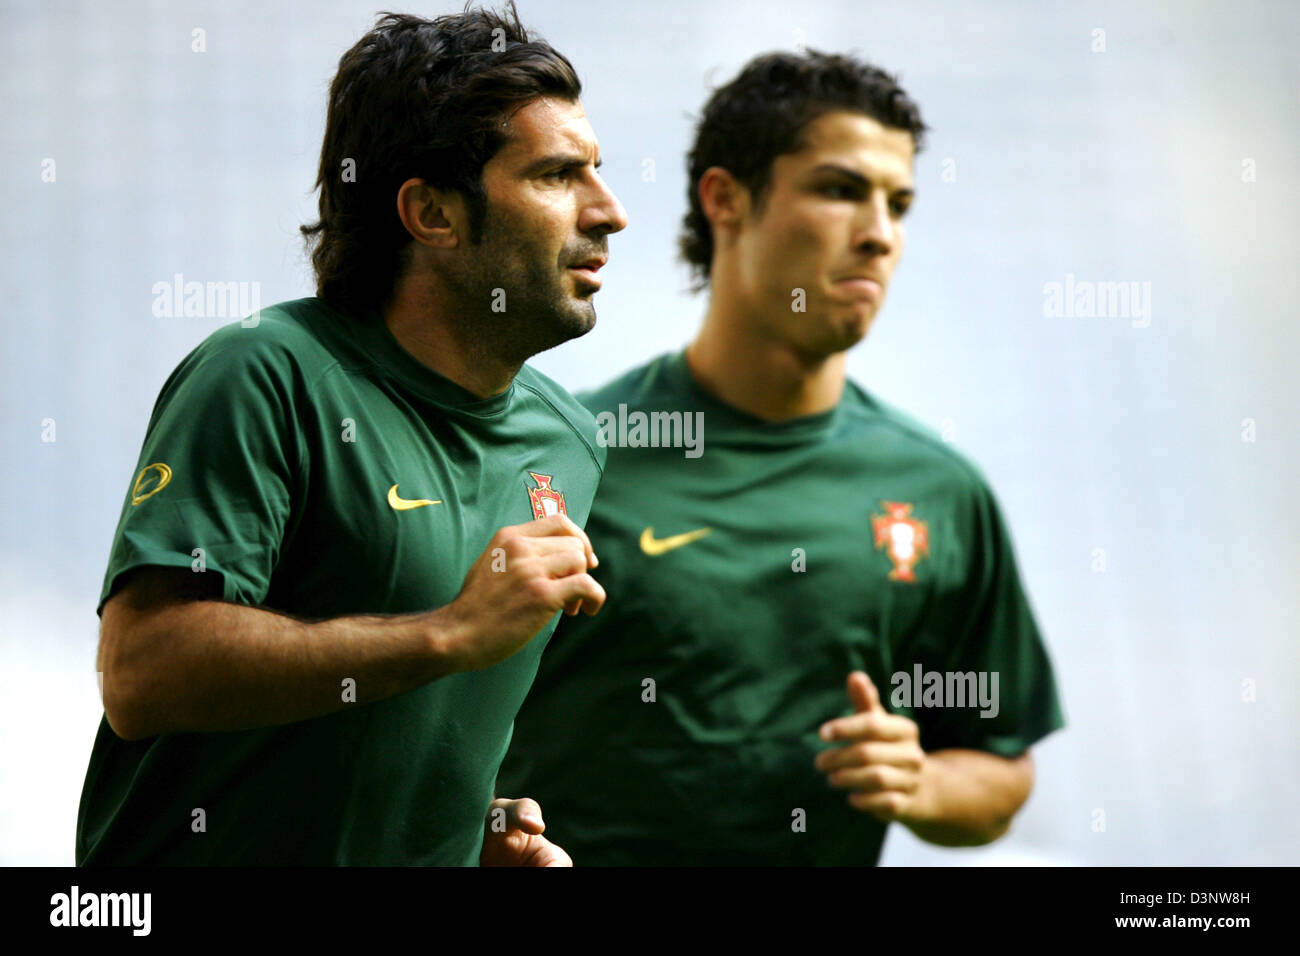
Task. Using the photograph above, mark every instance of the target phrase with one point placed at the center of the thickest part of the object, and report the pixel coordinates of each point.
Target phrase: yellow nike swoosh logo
(654, 547)
(406, 504)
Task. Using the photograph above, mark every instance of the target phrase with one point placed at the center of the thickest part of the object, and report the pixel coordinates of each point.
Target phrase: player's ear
(722, 197)
(433, 217)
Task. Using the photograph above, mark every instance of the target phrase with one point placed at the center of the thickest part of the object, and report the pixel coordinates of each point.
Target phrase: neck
(433, 332)
(774, 381)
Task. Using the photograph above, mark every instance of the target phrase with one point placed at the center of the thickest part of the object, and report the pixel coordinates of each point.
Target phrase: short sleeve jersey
(747, 576)
(318, 469)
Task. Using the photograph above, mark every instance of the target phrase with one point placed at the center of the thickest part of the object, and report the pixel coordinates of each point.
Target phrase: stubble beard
(518, 304)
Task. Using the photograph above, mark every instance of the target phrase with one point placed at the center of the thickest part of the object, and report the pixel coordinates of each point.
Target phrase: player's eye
(900, 207)
(841, 191)
(560, 175)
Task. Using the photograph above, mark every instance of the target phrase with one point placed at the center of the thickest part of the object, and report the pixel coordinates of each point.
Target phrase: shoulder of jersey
(285, 323)
(909, 430)
(282, 335)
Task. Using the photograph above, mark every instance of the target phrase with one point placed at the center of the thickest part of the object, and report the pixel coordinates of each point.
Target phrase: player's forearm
(970, 796)
(214, 666)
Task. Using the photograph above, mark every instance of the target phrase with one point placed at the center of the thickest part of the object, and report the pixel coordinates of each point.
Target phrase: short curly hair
(762, 114)
(422, 99)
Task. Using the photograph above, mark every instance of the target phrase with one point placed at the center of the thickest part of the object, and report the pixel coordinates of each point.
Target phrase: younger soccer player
(815, 623)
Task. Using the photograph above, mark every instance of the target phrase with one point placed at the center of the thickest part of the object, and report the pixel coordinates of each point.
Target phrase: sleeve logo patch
(905, 539)
(546, 500)
(151, 480)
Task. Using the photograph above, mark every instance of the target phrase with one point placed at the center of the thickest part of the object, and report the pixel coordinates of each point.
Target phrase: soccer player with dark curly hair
(815, 624)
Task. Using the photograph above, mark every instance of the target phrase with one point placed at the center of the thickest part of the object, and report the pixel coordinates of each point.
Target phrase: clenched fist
(881, 761)
(527, 573)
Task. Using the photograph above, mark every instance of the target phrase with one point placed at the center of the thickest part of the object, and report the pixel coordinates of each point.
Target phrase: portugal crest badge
(905, 539)
(546, 500)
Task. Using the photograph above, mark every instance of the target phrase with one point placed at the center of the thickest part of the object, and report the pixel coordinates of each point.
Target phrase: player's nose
(876, 233)
(603, 213)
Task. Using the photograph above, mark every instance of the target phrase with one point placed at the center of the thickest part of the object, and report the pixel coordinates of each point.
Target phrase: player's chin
(576, 319)
(582, 314)
(851, 324)
(839, 333)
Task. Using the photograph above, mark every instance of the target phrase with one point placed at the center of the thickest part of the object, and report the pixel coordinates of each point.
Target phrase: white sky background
(1117, 166)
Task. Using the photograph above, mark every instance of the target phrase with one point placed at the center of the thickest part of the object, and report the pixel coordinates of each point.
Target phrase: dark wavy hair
(425, 99)
(762, 114)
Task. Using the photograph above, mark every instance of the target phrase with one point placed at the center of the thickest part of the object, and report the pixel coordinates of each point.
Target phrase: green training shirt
(319, 469)
(747, 576)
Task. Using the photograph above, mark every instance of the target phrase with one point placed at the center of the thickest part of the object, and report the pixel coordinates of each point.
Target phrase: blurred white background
(1167, 158)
